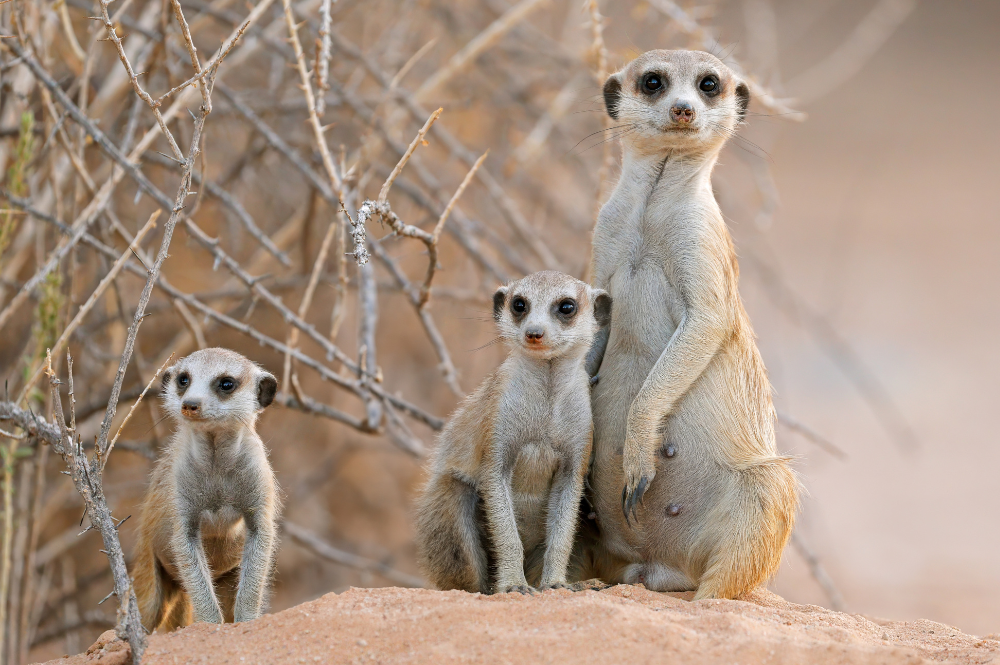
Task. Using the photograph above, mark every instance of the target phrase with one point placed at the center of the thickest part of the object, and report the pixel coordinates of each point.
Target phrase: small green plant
(17, 178)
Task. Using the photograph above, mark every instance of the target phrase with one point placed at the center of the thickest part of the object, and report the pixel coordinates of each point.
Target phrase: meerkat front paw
(545, 586)
(640, 469)
(209, 615)
(517, 587)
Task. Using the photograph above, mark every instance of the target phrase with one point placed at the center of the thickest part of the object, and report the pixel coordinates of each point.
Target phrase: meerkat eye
(709, 85)
(519, 305)
(651, 83)
(567, 307)
(227, 384)
(183, 380)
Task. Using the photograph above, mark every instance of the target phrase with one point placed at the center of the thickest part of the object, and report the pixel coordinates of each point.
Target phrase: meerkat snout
(191, 408)
(682, 112)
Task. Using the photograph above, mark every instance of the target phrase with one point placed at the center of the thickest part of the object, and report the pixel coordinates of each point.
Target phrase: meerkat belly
(531, 484)
(647, 311)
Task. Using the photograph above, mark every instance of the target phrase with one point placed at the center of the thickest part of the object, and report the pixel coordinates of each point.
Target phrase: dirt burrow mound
(617, 624)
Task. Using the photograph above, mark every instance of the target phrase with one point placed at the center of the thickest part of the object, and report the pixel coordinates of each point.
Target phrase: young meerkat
(208, 530)
(500, 508)
(689, 490)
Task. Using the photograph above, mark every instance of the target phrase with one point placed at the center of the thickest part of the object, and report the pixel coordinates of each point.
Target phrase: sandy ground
(392, 625)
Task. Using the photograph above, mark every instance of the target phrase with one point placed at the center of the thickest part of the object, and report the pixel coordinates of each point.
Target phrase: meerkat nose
(682, 112)
(191, 407)
(534, 334)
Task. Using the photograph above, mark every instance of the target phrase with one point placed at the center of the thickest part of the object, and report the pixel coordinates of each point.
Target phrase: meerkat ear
(499, 298)
(612, 95)
(267, 386)
(165, 379)
(742, 99)
(602, 307)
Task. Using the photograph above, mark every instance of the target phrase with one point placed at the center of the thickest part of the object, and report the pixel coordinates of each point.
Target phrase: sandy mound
(618, 624)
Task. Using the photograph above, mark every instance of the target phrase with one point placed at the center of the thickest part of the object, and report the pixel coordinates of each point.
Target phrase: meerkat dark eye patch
(565, 309)
(183, 381)
(519, 307)
(267, 387)
(710, 86)
(653, 83)
(226, 386)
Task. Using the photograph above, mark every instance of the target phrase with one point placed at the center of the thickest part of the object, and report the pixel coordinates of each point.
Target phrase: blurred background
(859, 194)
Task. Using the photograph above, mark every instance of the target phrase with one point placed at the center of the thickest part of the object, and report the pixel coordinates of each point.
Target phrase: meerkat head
(217, 388)
(549, 314)
(676, 100)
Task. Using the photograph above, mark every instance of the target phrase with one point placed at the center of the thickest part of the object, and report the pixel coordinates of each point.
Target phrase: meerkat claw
(631, 500)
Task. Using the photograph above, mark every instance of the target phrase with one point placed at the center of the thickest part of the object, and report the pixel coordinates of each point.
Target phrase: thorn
(193, 116)
(106, 597)
(118, 526)
(140, 260)
(170, 157)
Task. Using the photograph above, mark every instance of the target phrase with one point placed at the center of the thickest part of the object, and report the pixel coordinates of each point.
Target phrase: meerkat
(689, 490)
(208, 530)
(499, 511)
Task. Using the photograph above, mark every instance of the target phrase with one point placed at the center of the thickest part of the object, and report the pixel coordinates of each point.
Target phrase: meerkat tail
(450, 538)
(746, 547)
(148, 585)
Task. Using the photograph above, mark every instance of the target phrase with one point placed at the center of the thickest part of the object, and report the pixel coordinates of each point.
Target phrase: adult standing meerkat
(690, 492)
(208, 528)
(500, 508)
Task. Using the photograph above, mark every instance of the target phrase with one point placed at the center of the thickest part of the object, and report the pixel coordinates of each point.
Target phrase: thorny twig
(87, 477)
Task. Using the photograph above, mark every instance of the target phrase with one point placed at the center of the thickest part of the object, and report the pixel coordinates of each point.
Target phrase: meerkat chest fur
(213, 474)
(544, 406)
(661, 219)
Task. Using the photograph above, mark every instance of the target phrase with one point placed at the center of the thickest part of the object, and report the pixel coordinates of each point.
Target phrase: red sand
(626, 624)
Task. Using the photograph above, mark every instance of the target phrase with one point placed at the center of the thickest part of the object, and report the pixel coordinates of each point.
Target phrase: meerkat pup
(689, 490)
(500, 507)
(208, 528)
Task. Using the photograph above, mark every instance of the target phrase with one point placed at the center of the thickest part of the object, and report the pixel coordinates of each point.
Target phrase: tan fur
(683, 419)
(207, 536)
(500, 507)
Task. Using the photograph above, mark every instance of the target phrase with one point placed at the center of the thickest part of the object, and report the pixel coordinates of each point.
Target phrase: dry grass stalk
(128, 416)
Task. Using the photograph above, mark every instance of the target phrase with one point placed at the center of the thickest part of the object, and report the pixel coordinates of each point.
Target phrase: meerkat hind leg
(226, 586)
(658, 577)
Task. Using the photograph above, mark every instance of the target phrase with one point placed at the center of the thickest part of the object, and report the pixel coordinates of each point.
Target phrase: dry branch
(818, 572)
(87, 478)
(323, 549)
(691, 27)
